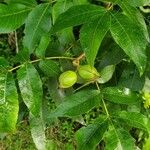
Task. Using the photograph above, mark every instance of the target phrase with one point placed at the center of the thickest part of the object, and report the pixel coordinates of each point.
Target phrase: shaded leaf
(92, 34)
(9, 106)
(60, 7)
(44, 42)
(34, 30)
(106, 74)
(89, 137)
(56, 94)
(12, 17)
(66, 35)
(130, 38)
(107, 59)
(31, 88)
(3, 65)
(131, 79)
(78, 103)
(77, 15)
(120, 95)
(49, 67)
(22, 56)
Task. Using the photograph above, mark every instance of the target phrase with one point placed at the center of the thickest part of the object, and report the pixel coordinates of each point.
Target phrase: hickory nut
(67, 79)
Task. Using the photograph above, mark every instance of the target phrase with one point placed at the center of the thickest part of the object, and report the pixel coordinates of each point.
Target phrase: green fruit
(67, 79)
(88, 72)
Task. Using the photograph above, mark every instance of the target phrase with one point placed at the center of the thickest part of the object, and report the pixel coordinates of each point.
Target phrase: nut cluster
(86, 72)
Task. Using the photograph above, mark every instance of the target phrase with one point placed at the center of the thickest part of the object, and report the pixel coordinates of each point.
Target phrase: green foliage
(128, 40)
(8, 103)
(31, 88)
(119, 139)
(78, 15)
(133, 119)
(37, 124)
(49, 68)
(106, 73)
(12, 16)
(42, 39)
(95, 131)
(27, 3)
(120, 95)
(34, 30)
(78, 103)
(91, 36)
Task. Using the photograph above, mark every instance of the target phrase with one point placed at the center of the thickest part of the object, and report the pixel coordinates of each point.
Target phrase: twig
(104, 104)
(84, 85)
(16, 42)
(37, 60)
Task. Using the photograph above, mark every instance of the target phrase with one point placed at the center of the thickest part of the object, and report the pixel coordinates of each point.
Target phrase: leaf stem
(104, 104)
(15, 68)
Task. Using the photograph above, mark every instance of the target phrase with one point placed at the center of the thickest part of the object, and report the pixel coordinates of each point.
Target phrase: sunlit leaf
(44, 42)
(38, 132)
(9, 106)
(12, 17)
(31, 88)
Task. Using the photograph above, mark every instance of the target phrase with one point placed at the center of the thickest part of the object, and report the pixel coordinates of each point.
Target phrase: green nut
(88, 72)
(67, 79)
